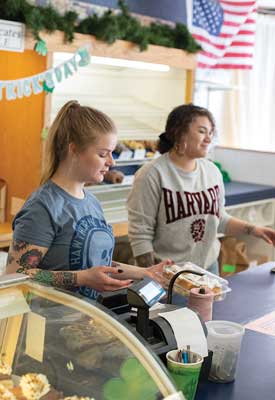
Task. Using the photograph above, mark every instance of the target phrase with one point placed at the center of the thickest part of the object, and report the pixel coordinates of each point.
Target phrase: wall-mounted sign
(12, 35)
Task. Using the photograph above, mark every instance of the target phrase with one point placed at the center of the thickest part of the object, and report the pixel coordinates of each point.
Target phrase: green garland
(108, 27)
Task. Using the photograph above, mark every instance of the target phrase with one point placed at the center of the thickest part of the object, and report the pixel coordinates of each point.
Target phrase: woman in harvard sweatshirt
(176, 206)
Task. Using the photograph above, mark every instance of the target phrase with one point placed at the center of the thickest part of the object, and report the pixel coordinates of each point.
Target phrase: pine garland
(108, 27)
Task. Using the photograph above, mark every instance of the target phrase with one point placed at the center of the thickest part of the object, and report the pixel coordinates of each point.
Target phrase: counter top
(252, 296)
(244, 192)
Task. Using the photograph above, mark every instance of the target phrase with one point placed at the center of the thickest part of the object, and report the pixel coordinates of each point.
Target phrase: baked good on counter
(5, 369)
(189, 281)
(134, 144)
(114, 176)
(151, 145)
(6, 394)
(34, 386)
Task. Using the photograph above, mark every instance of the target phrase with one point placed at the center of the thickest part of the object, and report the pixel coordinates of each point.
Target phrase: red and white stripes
(233, 47)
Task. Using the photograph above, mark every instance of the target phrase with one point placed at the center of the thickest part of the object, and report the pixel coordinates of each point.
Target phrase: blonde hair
(73, 124)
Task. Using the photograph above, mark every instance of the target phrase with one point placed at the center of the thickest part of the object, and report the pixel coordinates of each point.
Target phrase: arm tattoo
(29, 263)
(10, 259)
(65, 279)
(60, 279)
(248, 229)
(145, 260)
(29, 260)
(19, 245)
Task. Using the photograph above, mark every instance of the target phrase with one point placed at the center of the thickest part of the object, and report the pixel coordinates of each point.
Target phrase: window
(243, 102)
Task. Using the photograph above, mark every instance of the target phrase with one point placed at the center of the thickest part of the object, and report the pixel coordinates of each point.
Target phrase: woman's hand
(237, 226)
(267, 234)
(98, 278)
(156, 271)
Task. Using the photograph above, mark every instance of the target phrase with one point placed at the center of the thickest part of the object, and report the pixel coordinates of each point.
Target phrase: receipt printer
(133, 305)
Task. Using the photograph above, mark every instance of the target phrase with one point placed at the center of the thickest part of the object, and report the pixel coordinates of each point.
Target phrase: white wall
(138, 100)
(247, 165)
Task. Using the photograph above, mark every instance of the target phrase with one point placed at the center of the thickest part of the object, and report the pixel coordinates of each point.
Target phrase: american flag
(225, 29)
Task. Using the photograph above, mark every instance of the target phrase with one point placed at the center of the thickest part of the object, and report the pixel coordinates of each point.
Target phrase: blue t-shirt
(74, 230)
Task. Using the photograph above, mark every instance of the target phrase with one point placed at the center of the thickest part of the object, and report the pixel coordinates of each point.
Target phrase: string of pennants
(44, 81)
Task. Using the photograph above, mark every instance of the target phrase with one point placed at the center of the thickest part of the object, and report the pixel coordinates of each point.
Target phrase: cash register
(139, 307)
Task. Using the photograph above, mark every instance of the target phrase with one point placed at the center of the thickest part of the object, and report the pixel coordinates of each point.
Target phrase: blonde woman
(60, 237)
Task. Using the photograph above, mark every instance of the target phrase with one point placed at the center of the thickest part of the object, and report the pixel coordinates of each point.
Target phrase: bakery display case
(55, 345)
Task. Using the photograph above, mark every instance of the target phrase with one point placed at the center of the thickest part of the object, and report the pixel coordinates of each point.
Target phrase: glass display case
(54, 345)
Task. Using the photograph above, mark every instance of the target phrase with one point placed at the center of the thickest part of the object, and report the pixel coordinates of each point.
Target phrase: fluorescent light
(118, 62)
(115, 62)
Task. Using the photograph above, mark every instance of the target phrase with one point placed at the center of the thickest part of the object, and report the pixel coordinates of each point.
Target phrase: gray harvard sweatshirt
(177, 214)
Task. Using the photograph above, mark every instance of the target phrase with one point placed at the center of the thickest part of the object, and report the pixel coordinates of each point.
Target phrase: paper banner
(25, 87)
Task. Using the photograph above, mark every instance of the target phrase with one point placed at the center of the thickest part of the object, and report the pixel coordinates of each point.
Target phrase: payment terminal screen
(150, 291)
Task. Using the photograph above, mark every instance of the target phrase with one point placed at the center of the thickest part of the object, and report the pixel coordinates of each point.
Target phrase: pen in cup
(185, 356)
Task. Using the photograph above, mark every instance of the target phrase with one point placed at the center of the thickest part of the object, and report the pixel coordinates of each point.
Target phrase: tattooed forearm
(248, 229)
(29, 260)
(65, 279)
(10, 258)
(19, 245)
(146, 260)
(61, 279)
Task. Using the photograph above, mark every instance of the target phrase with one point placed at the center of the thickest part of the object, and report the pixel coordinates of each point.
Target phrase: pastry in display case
(59, 346)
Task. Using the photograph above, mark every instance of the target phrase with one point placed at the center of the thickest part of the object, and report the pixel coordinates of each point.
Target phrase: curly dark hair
(178, 123)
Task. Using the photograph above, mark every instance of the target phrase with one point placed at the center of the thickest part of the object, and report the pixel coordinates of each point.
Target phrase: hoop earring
(177, 150)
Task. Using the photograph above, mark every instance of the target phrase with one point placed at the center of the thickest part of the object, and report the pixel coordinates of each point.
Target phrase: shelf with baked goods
(56, 345)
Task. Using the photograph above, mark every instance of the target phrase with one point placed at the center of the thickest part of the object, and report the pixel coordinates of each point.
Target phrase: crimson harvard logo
(180, 205)
(198, 229)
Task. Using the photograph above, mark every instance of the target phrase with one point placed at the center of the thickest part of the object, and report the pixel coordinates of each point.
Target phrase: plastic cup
(224, 339)
(186, 376)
